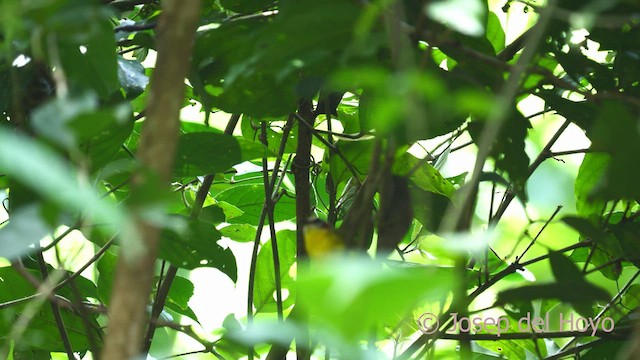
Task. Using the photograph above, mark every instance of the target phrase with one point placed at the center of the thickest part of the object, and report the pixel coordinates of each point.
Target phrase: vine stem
(269, 207)
(269, 193)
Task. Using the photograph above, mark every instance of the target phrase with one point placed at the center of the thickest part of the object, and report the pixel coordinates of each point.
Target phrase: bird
(321, 239)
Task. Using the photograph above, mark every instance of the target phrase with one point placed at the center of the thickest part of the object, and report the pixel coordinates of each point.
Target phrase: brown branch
(132, 286)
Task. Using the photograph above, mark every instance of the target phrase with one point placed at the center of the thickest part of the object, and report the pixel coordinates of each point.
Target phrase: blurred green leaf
(25, 229)
(42, 333)
(30, 162)
(334, 291)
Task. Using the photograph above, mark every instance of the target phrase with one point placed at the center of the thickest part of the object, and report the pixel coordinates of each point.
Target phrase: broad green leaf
(212, 214)
(132, 77)
(605, 250)
(194, 155)
(616, 133)
(179, 295)
(239, 232)
(508, 149)
(249, 198)
(494, 32)
(627, 235)
(181, 291)
(264, 295)
(196, 246)
(107, 272)
(564, 270)
(357, 153)
(579, 292)
(78, 124)
(589, 178)
(423, 175)
(89, 61)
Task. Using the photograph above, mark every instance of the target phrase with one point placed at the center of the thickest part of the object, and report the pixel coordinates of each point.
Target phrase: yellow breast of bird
(320, 241)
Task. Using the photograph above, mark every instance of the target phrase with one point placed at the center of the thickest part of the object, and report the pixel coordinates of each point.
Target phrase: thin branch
(56, 310)
(544, 154)
(539, 233)
(136, 27)
(569, 152)
(270, 191)
(329, 146)
(269, 207)
(607, 307)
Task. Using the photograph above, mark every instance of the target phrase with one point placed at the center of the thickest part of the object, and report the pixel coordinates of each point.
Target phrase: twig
(544, 154)
(269, 207)
(56, 310)
(538, 234)
(333, 148)
(270, 191)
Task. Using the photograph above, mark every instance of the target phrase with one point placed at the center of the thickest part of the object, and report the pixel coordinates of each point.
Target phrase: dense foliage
(350, 110)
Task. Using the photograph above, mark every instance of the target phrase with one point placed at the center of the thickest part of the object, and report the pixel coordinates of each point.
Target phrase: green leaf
(567, 292)
(212, 214)
(196, 246)
(589, 178)
(194, 153)
(251, 131)
(25, 229)
(494, 32)
(564, 270)
(336, 300)
(29, 162)
(132, 77)
(616, 133)
(249, 198)
(107, 272)
(181, 291)
(627, 235)
(264, 295)
(78, 123)
(89, 61)
(423, 175)
(508, 149)
(239, 232)
(357, 153)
